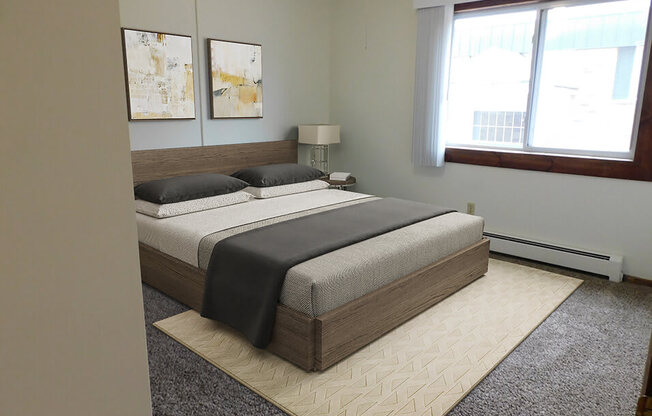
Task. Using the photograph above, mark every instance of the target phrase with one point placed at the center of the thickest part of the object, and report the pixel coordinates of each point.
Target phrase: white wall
(372, 76)
(72, 331)
(295, 38)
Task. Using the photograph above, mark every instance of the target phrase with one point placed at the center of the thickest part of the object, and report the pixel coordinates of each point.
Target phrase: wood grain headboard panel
(148, 165)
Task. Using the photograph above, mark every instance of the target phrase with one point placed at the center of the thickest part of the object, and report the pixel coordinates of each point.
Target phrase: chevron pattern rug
(424, 367)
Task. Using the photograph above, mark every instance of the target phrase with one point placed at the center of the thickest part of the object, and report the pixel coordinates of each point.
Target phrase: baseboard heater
(598, 263)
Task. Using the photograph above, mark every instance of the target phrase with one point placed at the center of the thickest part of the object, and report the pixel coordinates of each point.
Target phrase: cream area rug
(424, 367)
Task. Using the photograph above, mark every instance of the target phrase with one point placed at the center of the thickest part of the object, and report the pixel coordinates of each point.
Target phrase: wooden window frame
(640, 168)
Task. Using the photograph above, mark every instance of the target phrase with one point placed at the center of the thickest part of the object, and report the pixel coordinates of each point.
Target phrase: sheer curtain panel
(434, 32)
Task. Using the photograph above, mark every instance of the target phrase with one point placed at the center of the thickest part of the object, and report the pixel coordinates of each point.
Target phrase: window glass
(581, 94)
(589, 76)
(489, 79)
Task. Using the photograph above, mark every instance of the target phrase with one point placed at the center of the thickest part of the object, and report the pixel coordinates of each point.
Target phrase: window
(498, 126)
(548, 78)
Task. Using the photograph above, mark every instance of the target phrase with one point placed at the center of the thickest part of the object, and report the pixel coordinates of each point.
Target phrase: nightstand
(343, 185)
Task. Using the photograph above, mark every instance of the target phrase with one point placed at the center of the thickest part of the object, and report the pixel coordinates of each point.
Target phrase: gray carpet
(587, 358)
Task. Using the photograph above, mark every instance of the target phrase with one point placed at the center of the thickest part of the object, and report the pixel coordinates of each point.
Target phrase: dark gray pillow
(185, 188)
(275, 175)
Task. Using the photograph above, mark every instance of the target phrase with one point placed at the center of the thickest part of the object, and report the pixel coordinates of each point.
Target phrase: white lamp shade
(319, 133)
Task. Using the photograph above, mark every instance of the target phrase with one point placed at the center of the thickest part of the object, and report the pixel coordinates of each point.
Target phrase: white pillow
(293, 188)
(193, 205)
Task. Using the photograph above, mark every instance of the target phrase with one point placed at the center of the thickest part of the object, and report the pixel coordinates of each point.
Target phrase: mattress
(326, 282)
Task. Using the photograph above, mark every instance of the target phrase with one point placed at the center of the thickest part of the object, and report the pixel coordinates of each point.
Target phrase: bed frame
(310, 343)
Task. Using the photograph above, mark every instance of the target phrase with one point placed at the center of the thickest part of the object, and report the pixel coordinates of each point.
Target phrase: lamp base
(319, 157)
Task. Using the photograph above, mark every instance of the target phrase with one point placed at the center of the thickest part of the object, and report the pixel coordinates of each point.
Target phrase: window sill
(636, 169)
(518, 151)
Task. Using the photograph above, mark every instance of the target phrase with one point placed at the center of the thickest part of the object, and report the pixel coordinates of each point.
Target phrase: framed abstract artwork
(159, 75)
(236, 79)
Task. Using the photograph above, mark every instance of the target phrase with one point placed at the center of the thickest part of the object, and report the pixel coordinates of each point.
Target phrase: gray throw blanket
(246, 271)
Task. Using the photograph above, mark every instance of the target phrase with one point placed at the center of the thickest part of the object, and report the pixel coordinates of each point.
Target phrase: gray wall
(171, 16)
(373, 44)
(351, 62)
(295, 37)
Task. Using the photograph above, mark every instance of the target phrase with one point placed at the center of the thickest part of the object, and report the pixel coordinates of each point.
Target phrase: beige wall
(372, 78)
(72, 338)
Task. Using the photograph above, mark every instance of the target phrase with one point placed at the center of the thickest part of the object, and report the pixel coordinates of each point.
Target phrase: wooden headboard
(148, 165)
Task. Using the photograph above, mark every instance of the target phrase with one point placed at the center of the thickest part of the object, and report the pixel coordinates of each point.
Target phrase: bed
(332, 305)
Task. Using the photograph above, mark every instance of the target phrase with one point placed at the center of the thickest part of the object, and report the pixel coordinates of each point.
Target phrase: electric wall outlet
(470, 208)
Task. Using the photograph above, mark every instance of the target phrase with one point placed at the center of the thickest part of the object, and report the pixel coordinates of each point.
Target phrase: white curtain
(434, 33)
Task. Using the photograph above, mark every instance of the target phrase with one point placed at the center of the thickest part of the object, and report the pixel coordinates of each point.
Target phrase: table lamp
(319, 136)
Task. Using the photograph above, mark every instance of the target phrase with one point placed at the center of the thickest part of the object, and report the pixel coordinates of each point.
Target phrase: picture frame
(235, 74)
(159, 75)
